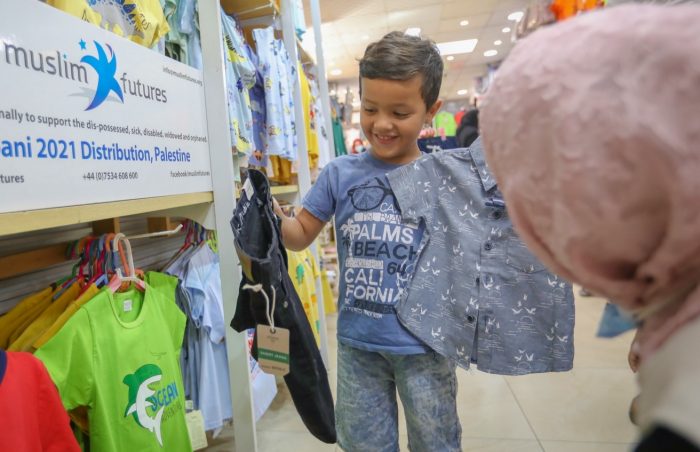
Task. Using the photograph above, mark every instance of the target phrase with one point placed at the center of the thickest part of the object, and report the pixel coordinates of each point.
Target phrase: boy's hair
(398, 56)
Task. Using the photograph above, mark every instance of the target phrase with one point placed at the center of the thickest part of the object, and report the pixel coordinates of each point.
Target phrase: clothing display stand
(303, 164)
(212, 210)
(224, 202)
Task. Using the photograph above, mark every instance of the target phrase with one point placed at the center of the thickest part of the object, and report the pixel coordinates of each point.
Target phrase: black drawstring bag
(259, 246)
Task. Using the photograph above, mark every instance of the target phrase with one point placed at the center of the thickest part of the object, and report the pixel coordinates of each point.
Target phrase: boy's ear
(432, 111)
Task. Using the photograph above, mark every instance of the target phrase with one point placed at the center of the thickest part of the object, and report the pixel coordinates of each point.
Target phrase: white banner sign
(87, 116)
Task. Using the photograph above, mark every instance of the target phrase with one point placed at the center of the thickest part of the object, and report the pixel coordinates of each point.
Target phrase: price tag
(195, 427)
(273, 350)
(248, 189)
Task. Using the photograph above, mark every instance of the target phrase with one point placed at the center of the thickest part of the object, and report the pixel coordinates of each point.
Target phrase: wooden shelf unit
(284, 189)
(34, 220)
(251, 9)
(305, 57)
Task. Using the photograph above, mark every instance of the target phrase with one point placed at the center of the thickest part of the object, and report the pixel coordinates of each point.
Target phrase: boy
(400, 78)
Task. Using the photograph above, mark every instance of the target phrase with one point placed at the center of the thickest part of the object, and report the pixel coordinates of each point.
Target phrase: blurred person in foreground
(591, 130)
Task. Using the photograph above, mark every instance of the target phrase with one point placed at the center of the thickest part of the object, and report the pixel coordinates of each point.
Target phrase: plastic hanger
(118, 279)
(98, 273)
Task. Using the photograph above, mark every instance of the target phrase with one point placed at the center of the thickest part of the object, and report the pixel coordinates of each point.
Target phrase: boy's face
(392, 115)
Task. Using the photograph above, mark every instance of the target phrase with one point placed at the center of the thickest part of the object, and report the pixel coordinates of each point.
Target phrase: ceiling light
(506, 30)
(450, 58)
(336, 72)
(413, 31)
(516, 16)
(490, 53)
(457, 47)
(464, 23)
(332, 93)
(462, 92)
(365, 37)
(497, 42)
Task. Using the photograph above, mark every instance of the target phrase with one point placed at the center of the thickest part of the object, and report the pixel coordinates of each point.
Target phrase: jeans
(367, 411)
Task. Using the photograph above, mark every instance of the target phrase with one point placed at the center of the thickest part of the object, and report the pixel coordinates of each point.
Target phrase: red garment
(458, 116)
(32, 417)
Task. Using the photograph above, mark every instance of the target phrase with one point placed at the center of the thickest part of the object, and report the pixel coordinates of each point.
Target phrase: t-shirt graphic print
(150, 398)
(376, 252)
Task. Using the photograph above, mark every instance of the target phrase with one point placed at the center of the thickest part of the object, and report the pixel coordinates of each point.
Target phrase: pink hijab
(592, 129)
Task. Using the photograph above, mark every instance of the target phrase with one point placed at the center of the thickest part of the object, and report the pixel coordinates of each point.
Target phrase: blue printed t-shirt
(376, 252)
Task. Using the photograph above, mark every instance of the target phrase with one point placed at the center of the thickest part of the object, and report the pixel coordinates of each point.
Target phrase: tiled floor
(584, 410)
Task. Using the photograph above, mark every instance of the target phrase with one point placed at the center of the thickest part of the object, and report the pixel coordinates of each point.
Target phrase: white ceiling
(349, 25)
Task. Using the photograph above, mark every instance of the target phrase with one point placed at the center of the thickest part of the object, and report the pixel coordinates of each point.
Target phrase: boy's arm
(300, 231)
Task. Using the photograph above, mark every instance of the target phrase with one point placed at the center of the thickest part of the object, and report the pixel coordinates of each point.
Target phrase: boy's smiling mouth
(385, 139)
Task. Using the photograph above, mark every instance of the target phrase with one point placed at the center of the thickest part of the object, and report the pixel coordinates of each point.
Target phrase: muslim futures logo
(103, 63)
(106, 68)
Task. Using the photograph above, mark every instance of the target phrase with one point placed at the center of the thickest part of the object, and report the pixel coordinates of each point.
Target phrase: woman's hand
(633, 356)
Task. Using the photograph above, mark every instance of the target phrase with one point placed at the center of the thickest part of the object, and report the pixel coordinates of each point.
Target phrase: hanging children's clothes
(299, 19)
(31, 413)
(477, 294)
(303, 273)
(44, 320)
(322, 134)
(203, 282)
(187, 22)
(310, 123)
(195, 50)
(288, 78)
(339, 139)
(189, 355)
(27, 314)
(329, 306)
(459, 115)
(337, 123)
(10, 320)
(190, 362)
(123, 365)
(176, 42)
(445, 124)
(259, 155)
(275, 67)
(65, 316)
(267, 67)
(280, 170)
(240, 77)
(62, 295)
(187, 16)
(141, 21)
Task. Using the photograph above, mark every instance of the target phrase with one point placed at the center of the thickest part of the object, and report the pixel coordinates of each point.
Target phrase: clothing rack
(36, 259)
(157, 234)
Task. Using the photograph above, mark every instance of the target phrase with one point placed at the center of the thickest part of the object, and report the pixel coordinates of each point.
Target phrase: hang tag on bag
(248, 189)
(195, 427)
(273, 342)
(273, 350)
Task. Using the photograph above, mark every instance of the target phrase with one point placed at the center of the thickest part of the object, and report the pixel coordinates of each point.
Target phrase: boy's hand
(299, 231)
